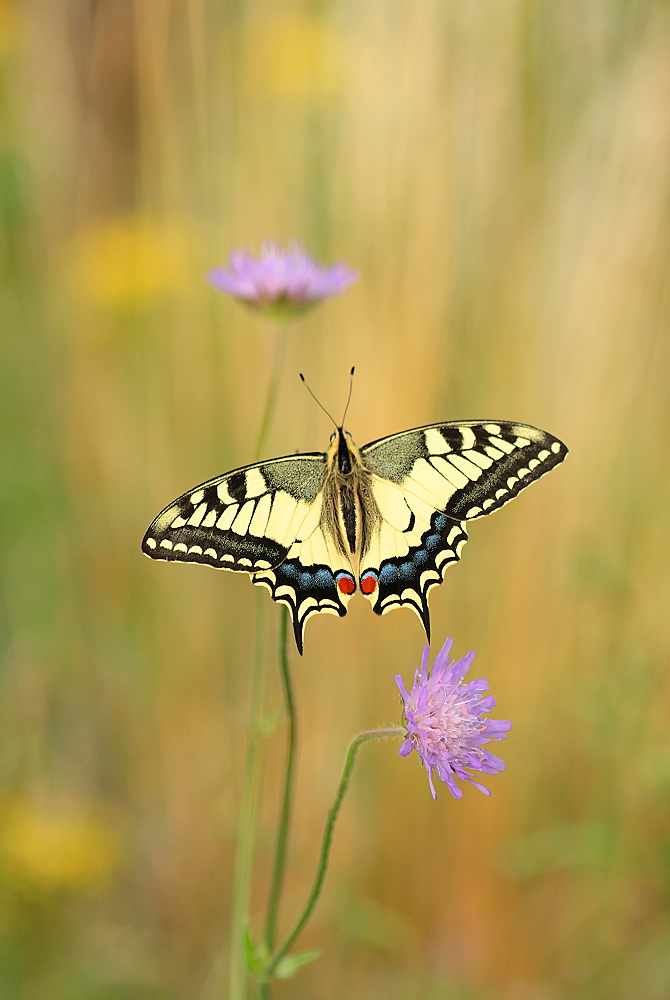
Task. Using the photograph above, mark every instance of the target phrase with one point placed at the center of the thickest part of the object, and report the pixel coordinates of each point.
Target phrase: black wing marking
(427, 483)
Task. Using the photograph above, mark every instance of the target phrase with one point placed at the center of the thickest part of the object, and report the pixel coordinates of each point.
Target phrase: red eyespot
(345, 585)
(369, 584)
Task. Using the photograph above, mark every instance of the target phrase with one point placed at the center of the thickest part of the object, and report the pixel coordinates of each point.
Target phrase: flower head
(280, 282)
(444, 722)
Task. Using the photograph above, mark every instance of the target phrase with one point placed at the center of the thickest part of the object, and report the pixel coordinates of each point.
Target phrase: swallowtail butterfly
(388, 518)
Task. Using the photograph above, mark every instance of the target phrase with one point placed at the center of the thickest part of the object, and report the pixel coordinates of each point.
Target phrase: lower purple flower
(444, 722)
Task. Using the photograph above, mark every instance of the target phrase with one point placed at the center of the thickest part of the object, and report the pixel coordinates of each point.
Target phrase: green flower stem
(246, 831)
(326, 843)
(273, 391)
(284, 819)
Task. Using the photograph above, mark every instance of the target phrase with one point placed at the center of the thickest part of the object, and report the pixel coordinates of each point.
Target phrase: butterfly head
(343, 454)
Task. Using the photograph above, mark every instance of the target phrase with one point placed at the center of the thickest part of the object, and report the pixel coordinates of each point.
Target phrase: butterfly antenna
(351, 386)
(302, 379)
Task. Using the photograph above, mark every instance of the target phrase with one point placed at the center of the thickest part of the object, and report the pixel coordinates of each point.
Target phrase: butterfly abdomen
(348, 514)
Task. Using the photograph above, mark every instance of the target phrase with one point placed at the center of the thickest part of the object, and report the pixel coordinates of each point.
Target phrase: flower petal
(459, 669)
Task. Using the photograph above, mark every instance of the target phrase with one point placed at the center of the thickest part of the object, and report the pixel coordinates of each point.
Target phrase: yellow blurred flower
(294, 57)
(127, 261)
(8, 26)
(51, 848)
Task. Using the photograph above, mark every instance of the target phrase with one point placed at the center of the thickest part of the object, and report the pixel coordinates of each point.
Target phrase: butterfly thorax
(349, 511)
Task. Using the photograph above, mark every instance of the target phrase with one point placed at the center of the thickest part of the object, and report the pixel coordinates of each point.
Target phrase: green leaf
(290, 964)
(254, 957)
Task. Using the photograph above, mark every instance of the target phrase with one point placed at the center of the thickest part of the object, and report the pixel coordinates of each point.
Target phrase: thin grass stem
(246, 832)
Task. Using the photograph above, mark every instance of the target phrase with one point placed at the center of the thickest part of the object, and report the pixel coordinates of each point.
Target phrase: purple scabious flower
(444, 722)
(280, 282)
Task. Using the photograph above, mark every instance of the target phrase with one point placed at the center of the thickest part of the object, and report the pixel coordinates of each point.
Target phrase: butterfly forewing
(480, 465)
(246, 520)
(315, 577)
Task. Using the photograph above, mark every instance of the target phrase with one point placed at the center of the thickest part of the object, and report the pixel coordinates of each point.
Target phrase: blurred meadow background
(500, 175)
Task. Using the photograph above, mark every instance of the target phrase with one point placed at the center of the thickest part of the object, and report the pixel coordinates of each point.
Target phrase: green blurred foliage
(499, 174)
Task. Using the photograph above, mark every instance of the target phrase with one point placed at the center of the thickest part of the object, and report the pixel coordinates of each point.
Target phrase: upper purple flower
(281, 282)
(444, 722)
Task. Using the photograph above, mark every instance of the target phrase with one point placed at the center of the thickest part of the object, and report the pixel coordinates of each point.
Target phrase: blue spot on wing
(324, 578)
(388, 573)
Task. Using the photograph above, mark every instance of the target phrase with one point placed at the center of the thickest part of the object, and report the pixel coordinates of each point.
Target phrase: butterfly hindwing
(410, 549)
(427, 483)
(315, 577)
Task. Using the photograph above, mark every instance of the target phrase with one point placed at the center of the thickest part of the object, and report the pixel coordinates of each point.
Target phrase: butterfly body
(348, 505)
(388, 518)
